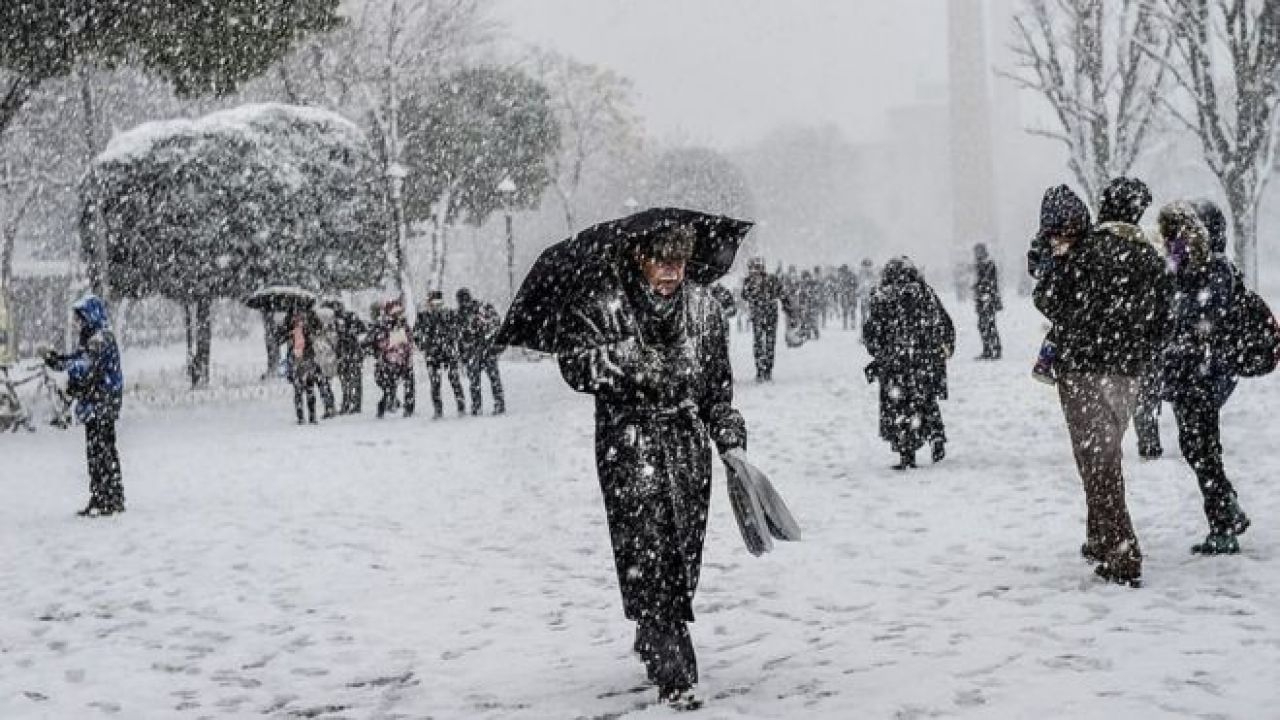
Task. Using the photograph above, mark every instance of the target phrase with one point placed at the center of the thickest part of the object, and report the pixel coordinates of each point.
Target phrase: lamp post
(508, 189)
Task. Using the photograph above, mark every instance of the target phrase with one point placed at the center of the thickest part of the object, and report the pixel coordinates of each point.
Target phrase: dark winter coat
(94, 375)
(724, 296)
(350, 330)
(910, 336)
(390, 342)
(663, 386)
(1108, 298)
(762, 292)
(986, 286)
(437, 333)
(1196, 365)
(478, 324)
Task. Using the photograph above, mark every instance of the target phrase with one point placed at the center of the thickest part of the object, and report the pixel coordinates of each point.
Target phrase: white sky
(722, 72)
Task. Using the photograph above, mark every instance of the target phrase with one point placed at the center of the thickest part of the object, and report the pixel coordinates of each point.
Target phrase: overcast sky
(722, 72)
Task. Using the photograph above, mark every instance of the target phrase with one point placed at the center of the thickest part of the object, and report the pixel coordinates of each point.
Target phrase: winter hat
(1214, 222)
(1124, 200)
(1062, 212)
(668, 245)
(464, 296)
(1184, 236)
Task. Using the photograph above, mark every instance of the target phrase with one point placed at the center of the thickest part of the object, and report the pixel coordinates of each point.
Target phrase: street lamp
(508, 190)
(631, 204)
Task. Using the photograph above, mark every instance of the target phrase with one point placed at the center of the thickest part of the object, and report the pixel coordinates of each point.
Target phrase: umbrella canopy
(280, 298)
(591, 258)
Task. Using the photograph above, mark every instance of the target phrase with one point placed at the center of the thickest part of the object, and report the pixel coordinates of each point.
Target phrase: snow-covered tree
(1228, 64)
(463, 137)
(1100, 64)
(206, 48)
(194, 210)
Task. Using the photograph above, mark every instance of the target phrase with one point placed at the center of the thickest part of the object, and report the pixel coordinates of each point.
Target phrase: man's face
(664, 276)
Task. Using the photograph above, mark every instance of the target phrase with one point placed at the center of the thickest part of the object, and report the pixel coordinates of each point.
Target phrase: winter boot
(938, 450)
(1091, 552)
(1110, 573)
(1150, 451)
(1217, 544)
(679, 699)
(907, 460)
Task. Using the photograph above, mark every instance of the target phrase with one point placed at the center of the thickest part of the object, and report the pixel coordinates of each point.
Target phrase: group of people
(332, 340)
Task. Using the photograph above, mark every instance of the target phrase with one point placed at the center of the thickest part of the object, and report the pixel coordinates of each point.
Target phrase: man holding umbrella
(613, 302)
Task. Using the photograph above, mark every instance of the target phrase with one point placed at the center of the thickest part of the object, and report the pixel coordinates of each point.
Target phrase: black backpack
(1253, 336)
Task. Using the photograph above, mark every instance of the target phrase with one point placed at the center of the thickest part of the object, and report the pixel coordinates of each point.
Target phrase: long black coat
(664, 393)
(910, 336)
(436, 333)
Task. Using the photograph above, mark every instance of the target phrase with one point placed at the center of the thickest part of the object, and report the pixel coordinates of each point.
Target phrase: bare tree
(1228, 64)
(593, 108)
(1100, 65)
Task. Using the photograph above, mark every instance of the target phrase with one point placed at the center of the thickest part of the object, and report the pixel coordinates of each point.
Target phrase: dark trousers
(764, 343)
(389, 378)
(326, 394)
(1146, 422)
(352, 381)
(305, 378)
(485, 365)
(1200, 437)
(1097, 409)
(455, 379)
(667, 652)
(106, 483)
(990, 334)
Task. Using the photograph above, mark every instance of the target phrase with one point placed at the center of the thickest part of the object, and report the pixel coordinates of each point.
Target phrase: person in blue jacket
(95, 380)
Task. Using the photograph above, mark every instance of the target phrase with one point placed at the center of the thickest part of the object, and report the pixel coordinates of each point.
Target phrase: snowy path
(461, 569)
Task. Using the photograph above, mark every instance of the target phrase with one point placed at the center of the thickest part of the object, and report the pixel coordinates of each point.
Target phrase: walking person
(478, 323)
(868, 278)
(847, 297)
(96, 381)
(1198, 376)
(349, 332)
(763, 293)
(300, 331)
(436, 333)
(653, 350)
(393, 357)
(910, 337)
(987, 301)
(1108, 297)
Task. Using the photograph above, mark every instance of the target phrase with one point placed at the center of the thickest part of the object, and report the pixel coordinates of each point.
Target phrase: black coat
(910, 336)
(763, 292)
(1108, 298)
(986, 286)
(350, 330)
(1196, 364)
(436, 333)
(478, 325)
(664, 393)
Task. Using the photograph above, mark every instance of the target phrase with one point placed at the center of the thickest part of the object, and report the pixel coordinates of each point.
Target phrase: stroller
(14, 415)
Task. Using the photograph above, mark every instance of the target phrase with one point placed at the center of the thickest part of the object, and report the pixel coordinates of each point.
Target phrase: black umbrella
(280, 298)
(587, 260)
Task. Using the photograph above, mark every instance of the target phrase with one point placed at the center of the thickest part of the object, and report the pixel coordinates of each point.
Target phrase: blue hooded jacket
(93, 370)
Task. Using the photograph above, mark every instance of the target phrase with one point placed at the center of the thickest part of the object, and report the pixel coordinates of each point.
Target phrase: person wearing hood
(96, 381)
(1107, 295)
(653, 351)
(1198, 376)
(392, 348)
(349, 330)
(910, 337)
(1124, 202)
(986, 297)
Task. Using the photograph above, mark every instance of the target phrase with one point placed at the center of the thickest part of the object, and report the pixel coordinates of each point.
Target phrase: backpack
(1252, 335)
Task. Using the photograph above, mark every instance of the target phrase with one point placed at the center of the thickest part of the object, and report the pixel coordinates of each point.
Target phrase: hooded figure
(1107, 295)
(653, 350)
(1198, 377)
(986, 297)
(478, 325)
(910, 337)
(436, 333)
(763, 293)
(95, 380)
(393, 356)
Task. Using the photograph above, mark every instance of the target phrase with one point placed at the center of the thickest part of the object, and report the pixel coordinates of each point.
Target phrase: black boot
(938, 450)
(907, 460)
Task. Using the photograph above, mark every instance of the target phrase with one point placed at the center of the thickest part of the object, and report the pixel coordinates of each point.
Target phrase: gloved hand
(50, 358)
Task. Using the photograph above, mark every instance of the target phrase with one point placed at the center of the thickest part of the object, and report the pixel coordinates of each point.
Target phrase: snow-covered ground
(461, 569)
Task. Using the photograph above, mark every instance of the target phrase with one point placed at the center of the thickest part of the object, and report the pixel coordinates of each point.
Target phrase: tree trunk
(272, 347)
(189, 330)
(1244, 222)
(204, 339)
(444, 255)
(17, 94)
